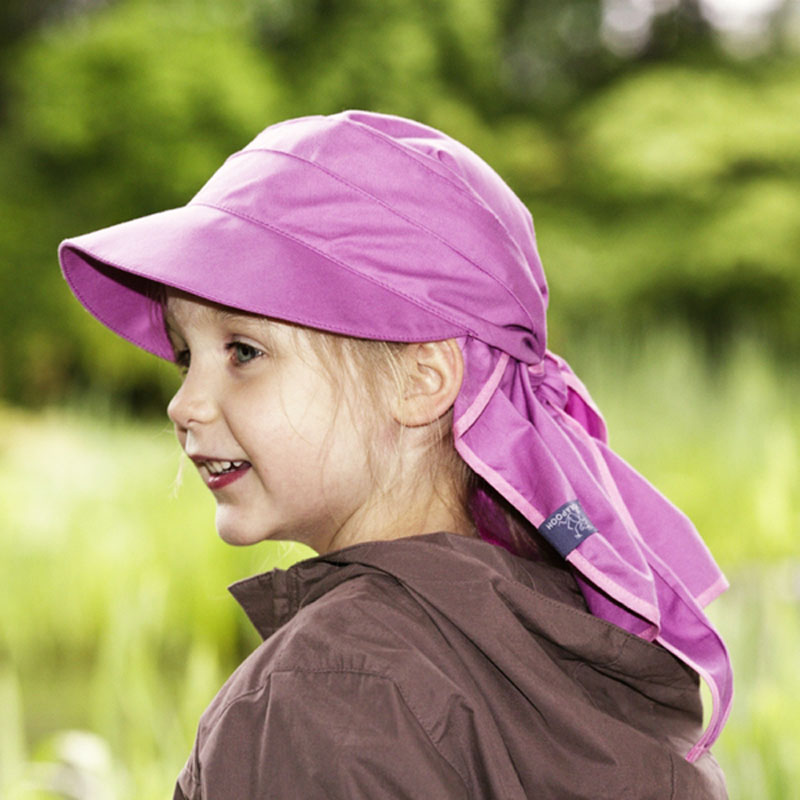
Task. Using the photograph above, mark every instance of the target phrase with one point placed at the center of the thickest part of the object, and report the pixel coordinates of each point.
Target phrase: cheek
(297, 418)
(356, 447)
(285, 431)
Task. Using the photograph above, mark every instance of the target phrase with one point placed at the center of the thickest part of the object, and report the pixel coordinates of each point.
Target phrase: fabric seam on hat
(418, 157)
(534, 516)
(612, 490)
(338, 262)
(615, 590)
(141, 344)
(718, 715)
(83, 253)
(337, 177)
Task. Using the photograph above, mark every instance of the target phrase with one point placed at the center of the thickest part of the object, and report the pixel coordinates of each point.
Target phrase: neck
(395, 519)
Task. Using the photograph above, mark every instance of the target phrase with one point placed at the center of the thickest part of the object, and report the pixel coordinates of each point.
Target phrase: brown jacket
(443, 667)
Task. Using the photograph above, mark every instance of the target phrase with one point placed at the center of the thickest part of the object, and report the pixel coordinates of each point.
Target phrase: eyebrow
(224, 315)
(230, 315)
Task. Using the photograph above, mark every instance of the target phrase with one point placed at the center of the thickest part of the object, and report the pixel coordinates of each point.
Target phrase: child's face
(260, 420)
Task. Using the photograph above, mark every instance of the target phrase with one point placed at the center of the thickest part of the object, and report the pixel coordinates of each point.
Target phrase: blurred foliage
(662, 171)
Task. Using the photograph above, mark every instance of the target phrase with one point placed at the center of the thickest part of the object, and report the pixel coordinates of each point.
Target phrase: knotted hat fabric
(379, 227)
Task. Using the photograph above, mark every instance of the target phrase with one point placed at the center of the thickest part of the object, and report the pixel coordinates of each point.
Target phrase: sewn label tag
(567, 527)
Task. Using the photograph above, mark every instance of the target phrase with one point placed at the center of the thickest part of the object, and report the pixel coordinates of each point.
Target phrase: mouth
(221, 467)
(220, 472)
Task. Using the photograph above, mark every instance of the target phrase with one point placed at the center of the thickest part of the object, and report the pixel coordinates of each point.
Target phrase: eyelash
(182, 360)
(235, 348)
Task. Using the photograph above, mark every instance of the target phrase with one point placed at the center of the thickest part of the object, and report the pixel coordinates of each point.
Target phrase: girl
(501, 607)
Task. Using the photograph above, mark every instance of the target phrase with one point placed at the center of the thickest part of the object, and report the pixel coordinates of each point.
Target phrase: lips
(218, 473)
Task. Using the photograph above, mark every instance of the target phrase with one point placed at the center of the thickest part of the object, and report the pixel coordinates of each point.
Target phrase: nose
(193, 404)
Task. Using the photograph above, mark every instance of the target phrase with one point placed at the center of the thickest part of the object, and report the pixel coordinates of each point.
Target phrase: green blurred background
(657, 143)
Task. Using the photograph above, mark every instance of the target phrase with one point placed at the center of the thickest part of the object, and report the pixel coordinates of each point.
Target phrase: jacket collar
(425, 563)
(464, 579)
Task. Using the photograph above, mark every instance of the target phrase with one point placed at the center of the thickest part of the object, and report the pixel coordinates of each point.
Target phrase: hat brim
(235, 262)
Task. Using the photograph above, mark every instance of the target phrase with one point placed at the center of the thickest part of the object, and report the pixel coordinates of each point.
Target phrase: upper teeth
(215, 467)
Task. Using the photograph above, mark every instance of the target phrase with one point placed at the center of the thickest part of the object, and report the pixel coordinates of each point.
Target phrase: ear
(433, 375)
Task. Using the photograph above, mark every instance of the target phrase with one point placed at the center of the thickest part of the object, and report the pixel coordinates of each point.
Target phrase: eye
(182, 359)
(243, 352)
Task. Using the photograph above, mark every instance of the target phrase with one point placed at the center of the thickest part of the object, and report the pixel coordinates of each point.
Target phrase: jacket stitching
(672, 777)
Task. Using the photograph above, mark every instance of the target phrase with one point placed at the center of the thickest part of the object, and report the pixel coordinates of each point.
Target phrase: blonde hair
(375, 373)
(369, 375)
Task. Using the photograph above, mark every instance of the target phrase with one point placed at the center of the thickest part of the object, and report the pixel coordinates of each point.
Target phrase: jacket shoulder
(369, 624)
(342, 676)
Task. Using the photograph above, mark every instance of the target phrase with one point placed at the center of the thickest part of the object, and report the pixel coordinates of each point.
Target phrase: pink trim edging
(500, 483)
(634, 603)
(713, 591)
(466, 420)
(717, 719)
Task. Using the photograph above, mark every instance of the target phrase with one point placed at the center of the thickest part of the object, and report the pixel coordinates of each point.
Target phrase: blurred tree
(661, 170)
(554, 53)
(688, 196)
(18, 18)
(115, 114)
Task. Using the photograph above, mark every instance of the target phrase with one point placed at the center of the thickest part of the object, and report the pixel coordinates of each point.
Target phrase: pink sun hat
(309, 223)
(379, 227)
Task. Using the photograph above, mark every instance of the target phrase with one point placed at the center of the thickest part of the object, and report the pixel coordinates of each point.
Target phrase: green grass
(760, 619)
(115, 614)
(115, 619)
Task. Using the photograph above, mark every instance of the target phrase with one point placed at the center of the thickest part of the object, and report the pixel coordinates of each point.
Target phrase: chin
(241, 530)
(238, 532)
(235, 538)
